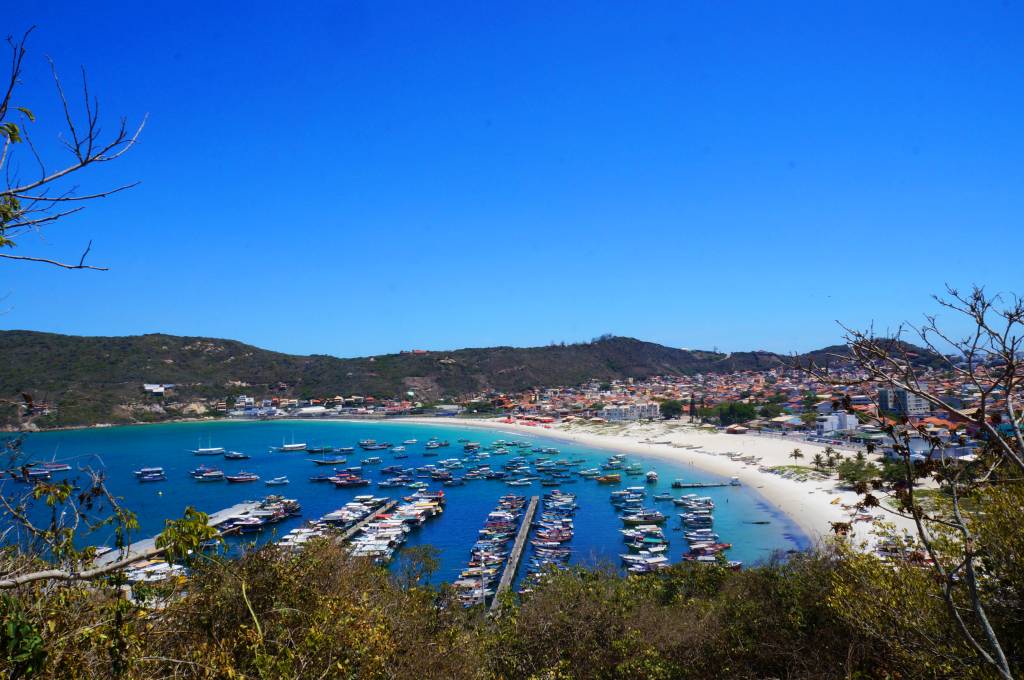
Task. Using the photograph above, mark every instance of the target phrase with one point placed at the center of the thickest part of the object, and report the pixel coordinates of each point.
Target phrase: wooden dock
(512, 565)
(358, 526)
(702, 485)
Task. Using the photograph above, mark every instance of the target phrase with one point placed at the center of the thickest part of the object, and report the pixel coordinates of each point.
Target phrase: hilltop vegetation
(94, 379)
(319, 613)
(88, 378)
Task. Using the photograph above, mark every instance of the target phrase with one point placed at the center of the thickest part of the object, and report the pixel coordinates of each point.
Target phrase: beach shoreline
(813, 505)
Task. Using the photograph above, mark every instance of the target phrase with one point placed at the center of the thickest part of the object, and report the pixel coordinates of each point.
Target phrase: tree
(731, 412)
(987, 359)
(671, 408)
(797, 454)
(770, 410)
(29, 204)
(819, 461)
(857, 472)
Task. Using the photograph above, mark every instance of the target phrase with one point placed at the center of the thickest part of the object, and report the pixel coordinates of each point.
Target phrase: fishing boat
(52, 467)
(697, 520)
(236, 455)
(157, 476)
(609, 479)
(320, 449)
(242, 477)
(345, 479)
(666, 496)
(210, 476)
(329, 461)
(142, 472)
(373, 460)
(643, 517)
(277, 481)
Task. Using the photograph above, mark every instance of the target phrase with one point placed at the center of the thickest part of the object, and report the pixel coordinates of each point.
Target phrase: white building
(616, 412)
(840, 421)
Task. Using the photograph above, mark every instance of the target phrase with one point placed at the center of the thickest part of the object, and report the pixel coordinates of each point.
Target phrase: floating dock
(512, 565)
(358, 526)
(702, 485)
(137, 548)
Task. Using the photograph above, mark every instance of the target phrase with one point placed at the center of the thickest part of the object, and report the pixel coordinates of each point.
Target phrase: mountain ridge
(90, 378)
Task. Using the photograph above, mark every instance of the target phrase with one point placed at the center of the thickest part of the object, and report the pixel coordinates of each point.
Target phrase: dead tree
(46, 193)
(986, 361)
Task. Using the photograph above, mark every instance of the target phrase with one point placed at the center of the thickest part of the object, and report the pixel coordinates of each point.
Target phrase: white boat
(293, 446)
(409, 442)
(277, 481)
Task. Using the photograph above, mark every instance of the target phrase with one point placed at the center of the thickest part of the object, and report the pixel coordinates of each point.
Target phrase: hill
(92, 379)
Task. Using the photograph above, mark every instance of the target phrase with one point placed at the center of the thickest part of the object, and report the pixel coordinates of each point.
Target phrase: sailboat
(293, 446)
(209, 449)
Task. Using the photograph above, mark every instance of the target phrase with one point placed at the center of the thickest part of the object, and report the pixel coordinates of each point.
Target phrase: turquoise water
(120, 450)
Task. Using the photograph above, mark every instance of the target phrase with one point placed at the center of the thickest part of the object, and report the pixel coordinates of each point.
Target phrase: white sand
(812, 504)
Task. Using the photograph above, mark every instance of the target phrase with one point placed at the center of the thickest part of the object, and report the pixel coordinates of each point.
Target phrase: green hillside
(90, 379)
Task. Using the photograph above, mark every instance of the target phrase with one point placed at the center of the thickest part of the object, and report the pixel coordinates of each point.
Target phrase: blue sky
(357, 178)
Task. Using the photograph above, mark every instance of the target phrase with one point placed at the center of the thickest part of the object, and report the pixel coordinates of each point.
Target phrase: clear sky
(362, 177)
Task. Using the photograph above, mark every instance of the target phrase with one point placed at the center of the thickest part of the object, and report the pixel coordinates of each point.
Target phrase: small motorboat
(242, 477)
(236, 455)
(277, 481)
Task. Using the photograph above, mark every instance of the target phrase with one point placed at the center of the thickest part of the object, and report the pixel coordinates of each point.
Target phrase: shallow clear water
(121, 450)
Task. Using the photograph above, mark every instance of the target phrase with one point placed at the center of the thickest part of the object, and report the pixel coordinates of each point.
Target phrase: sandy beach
(813, 503)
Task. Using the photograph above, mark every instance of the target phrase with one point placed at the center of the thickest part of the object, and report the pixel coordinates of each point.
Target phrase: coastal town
(783, 401)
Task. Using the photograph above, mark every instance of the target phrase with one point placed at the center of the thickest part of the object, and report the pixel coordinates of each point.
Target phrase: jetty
(137, 548)
(702, 485)
(358, 526)
(512, 565)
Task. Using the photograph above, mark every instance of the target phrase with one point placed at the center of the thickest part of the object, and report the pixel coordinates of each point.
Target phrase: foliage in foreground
(318, 613)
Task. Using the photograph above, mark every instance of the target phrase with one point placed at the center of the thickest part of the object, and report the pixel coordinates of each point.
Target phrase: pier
(702, 485)
(512, 565)
(358, 526)
(138, 548)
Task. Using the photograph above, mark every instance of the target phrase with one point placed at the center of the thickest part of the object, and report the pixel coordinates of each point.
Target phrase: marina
(473, 475)
(512, 565)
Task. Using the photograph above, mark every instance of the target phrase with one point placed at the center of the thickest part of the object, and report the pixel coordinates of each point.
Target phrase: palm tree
(797, 453)
(829, 451)
(871, 447)
(860, 457)
(819, 461)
